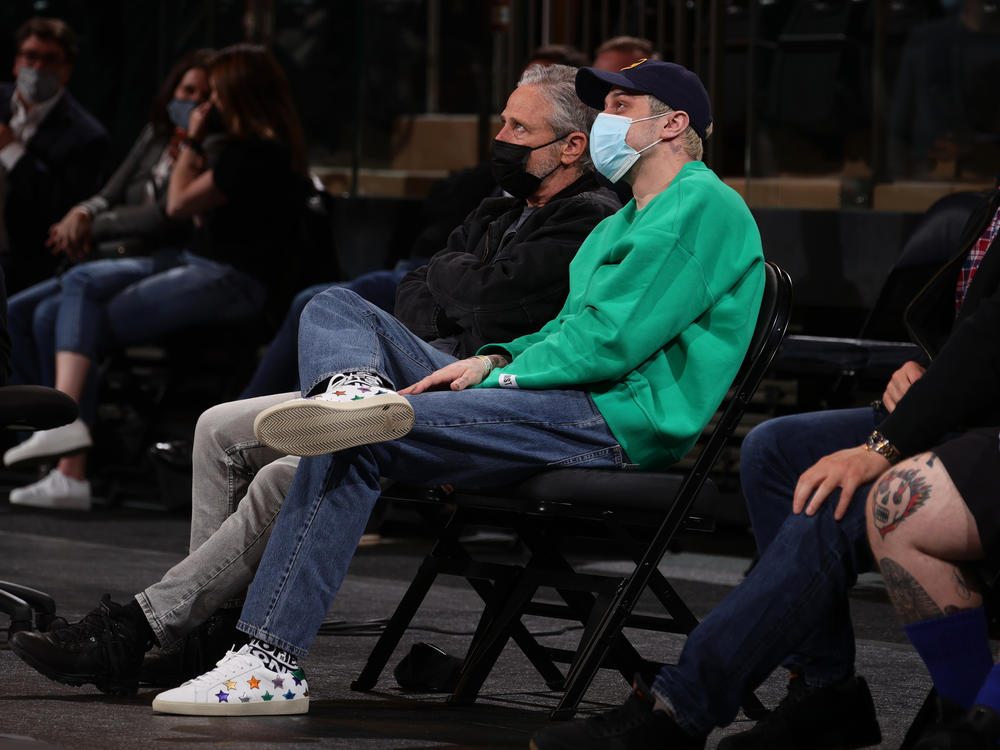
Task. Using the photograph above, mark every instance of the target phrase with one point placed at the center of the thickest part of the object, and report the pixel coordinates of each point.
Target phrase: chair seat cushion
(597, 489)
(35, 407)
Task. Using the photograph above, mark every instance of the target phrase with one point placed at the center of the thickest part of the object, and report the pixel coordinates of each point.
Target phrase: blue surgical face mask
(179, 111)
(37, 86)
(612, 157)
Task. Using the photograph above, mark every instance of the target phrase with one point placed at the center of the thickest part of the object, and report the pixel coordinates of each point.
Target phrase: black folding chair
(638, 511)
(31, 407)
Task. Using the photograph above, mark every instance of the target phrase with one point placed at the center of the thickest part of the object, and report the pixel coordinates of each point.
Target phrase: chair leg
(530, 647)
(397, 625)
(487, 646)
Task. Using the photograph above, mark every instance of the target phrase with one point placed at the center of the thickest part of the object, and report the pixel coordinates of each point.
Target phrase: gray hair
(569, 114)
(693, 145)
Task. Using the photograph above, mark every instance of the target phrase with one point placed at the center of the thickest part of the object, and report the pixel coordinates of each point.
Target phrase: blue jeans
(792, 608)
(103, 304)
(277, 371)
(477, 437)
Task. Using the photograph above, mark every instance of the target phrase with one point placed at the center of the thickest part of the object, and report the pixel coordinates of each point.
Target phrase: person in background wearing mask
(126, 218)
(663, 298)
(53, 152)
(248, 197)
(504, 272)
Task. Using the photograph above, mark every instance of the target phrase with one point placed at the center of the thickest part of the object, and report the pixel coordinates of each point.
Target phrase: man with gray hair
(502, 274)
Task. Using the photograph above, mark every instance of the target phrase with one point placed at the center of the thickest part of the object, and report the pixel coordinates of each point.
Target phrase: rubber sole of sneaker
(257, 708)
(23, 453)
(109, 686)
(50, 503)
(312, 427)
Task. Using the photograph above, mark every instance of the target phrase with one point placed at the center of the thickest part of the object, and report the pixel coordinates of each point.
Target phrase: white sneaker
(356, 409)
(49, 443)
(240, 685)
(55, 491)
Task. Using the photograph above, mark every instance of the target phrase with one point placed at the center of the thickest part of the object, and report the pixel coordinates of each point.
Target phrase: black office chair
(31, 407)
(639, 512)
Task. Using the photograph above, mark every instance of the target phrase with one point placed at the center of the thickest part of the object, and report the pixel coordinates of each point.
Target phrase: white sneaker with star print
(240, 685)
(355, 409)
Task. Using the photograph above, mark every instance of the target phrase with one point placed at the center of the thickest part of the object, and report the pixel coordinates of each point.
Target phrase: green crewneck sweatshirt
(661, 307)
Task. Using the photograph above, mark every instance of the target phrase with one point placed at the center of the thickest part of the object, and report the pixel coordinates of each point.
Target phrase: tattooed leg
(922, 534)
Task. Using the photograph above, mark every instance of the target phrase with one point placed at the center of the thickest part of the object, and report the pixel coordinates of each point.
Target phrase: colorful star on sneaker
(254, 683)
(230, 684)
(206, 695)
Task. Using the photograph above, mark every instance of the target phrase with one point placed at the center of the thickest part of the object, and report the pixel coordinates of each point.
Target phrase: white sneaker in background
(58, 441)
(240, 685)
(355, 409)
(55, 491)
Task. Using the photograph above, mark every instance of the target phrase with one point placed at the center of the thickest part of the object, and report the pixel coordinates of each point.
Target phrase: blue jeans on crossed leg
(483, 436)
(792, 608)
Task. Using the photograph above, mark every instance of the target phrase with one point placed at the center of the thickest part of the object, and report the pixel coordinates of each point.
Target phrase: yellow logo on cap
(637, 62)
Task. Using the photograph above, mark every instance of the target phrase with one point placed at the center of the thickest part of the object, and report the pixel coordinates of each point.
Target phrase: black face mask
(508, 162)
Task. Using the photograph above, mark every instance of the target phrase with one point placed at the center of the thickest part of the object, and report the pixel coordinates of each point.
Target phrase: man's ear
(675, 124)
(575, 146)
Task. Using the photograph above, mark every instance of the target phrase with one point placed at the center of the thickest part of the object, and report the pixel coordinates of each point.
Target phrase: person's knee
(893, 498)
(761, 450)
(336, 306)
(217, 421)
(268, 489)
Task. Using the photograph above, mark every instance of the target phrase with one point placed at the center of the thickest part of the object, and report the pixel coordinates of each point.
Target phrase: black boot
(105, 648)
(835, 716)
(195, 653)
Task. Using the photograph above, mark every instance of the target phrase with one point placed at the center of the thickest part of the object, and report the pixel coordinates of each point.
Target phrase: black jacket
(64, 162)
(485, 287)
(961, 388)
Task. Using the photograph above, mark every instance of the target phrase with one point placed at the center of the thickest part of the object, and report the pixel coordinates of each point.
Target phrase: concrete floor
(76, 558)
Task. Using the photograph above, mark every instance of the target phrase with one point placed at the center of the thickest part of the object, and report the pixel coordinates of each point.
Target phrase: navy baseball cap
(672, 84)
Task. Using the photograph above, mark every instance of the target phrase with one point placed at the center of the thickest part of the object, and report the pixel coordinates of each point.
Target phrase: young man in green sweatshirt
(662, 303)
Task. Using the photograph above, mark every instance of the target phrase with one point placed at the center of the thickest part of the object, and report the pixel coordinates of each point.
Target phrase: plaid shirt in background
(973, 259)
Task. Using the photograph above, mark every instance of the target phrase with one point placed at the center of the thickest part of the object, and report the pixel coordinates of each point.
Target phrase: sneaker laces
(234, 662)
(356, 377)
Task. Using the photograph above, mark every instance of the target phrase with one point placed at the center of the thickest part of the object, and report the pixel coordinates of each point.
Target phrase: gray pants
(237, 489)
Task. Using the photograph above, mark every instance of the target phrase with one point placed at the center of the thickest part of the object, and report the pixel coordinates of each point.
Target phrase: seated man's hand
(900, 383)
(847, 469)
(458, 375)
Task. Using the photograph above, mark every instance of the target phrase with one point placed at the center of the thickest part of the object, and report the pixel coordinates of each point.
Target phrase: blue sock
(956, 650)
(989, 693)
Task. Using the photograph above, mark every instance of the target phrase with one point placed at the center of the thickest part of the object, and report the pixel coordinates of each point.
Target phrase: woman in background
(245, 196)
